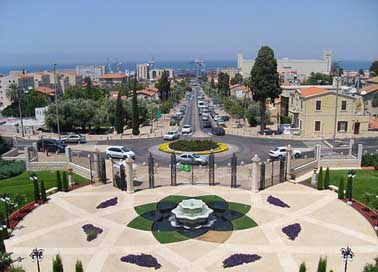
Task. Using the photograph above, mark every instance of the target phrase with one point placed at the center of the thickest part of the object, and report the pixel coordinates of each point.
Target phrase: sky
(85, 31)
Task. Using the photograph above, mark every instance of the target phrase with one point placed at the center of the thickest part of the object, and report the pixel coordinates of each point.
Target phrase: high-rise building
(143, 71)
(92, 71)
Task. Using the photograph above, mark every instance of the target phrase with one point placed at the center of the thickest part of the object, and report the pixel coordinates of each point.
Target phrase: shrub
(285, 119)
(43, 191)
(10, 169)
(4, 146)
(65, 182)
(37, 195)
(5, 260)
(193, 145)
(303, 267)
(320, 179)
(340, 191)
(252, 119)
(143, 260)
(326, 179)
(322, 265)
(166, 106)
(57, 264)
(369, 159)
(292, 231)
(58, 181)
(79, 266)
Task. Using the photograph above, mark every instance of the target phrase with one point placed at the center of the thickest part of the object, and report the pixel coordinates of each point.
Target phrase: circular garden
(201, 147)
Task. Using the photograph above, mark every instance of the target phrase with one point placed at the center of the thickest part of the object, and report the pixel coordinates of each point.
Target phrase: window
(301, 104)
(318, 105)
(342, 126)
(343, 105)
(317, 125)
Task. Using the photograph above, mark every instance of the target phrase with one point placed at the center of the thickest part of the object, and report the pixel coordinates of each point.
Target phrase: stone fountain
(192, 213)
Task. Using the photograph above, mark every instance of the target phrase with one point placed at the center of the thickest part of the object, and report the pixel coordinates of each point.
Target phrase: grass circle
(218, 147)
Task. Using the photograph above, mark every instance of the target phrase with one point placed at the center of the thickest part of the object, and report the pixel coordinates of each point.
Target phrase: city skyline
(177, 32)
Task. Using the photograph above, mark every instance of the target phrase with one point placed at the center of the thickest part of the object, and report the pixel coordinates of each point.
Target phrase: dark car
(207, 124)
(51, 145)
(269, 131)
(218, 131)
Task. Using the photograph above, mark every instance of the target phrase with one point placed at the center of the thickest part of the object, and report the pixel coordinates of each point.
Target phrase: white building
(24, 82)
(301, 67)
(143, 71)
(41, 79)
(40, 114)
(92, 71)
(155, 74)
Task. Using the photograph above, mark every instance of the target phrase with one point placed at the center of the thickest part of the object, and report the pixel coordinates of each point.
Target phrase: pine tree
(303, 267)
(340, 191)
(164, 86)
(37, 195)
(65, 182)
(322, 265)
(320, 179)
(349, 189)
(57, 264)
(43, 191)
(135, 120)
(79, 266)
(326, 179)
(58, 181)
(119, 122)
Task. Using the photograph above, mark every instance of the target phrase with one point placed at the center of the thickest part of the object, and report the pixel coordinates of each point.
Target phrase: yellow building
(312, 110)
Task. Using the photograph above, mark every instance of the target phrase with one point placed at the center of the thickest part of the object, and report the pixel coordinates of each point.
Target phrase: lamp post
(346, 254)
(2, 244)
(5, 198)
(90, 167)
(351, 175)
(37, 256)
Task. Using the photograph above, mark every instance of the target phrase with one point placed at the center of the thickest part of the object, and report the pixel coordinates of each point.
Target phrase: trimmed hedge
(10, 169)
(193, 145)
(370, 160)
(4, 146)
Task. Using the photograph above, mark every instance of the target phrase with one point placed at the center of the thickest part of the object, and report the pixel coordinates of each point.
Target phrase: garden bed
(195, 146)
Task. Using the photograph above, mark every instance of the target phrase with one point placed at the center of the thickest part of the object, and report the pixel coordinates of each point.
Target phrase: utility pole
(56, 102)
(336, 106)
(19, 94)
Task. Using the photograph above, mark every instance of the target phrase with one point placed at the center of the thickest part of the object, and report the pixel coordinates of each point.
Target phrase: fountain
(192, 213)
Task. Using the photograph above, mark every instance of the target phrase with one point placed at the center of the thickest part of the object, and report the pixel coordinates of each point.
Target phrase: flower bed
(368, 213)
(277, 202)
(292, 231)
(239, 259)
(18, 215)
(108, 203)
(165, 147)
(143, 260)
(91, 231)
(193, 145)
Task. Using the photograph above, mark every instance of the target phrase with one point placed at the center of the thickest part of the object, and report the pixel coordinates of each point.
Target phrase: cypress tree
(65, 182)
(57, 264)
(37, 196)
(119, 112)
(322, 265)
(2, 244)
(320, 179)
(135, 121)
(340, 191)
(79, 266)
(303, 267)
(43, 191)
(326, 179)
(349, 189)
(58, 181)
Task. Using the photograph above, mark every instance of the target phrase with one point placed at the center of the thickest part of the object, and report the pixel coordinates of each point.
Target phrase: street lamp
(346, 254)
(5, 198)
(37, 256)
(2, 244)
(351, 175)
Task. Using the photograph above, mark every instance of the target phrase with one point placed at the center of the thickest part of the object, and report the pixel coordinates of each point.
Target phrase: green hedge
(193, 145)
(370, 160)
(10, 169)
(4, 146)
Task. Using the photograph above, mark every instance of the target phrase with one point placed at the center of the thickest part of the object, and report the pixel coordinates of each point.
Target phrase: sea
(347, 65)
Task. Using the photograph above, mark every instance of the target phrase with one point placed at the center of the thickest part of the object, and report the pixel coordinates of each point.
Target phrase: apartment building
(155, 74)
(41, 79)
(313, 110)
(109, 80)
(143, 71)
(370, 96)
(92, 71)
(23, 81)
(73, 78)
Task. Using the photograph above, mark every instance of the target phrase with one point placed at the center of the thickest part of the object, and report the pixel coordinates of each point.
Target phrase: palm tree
(14, 95)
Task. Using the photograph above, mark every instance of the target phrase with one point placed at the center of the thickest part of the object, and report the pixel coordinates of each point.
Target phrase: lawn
(364, 181)
(22, 185)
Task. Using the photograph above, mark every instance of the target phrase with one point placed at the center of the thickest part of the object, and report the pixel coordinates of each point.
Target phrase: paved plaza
(327, 225)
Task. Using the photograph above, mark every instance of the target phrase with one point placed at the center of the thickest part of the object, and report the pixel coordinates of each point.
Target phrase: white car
(216, 117)
(280, 152)
(205, 117)
(186, 129)
(119, 152)
(171, 135)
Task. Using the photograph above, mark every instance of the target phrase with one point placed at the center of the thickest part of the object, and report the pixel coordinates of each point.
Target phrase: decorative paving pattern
(326, 223)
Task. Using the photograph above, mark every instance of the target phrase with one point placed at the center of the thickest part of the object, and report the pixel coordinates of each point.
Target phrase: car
(205, 117)
(171, 135)
(51, 145)
(269, 131)
(226, 118)
(74, 138)
(119, 152)
(207, 124)
(280, 152)
(192, 159)
(218, 131)
(221, 122)
(216, 117)
(186, 129)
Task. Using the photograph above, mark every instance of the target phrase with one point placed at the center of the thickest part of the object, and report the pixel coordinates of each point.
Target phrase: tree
(340, 190)
(320, 179)
(265, 80)
(57, 264)
(326, 179)
(58, 181)
(334, 68)
(119, 121)
(79, 266)
(374, 102)
(65, 182)
(164, 86)
(223, 84)
(43, 191)
(302, 267)
(212, 83)
(135, 113)
(237, 79)
(37, 196)
(29, 101)
(5, 260)
(349, 188)
(374, 68)
(322, 265)
(361, 72)
(319, 79)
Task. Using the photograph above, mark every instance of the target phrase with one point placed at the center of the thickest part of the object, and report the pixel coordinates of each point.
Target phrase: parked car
(226, 118)
(205, 117)
(186, 129)
(51, 145)
(171, 135)
(280, 152)
(218, 131)
(119, 152)
(269, 131)
(216, 117)
(74, 138)
(207, 124)
(192, 159)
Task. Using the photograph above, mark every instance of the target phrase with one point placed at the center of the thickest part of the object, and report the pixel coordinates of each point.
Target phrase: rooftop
(45, 90)
(306, 92)
(369, 89)
(113, 76)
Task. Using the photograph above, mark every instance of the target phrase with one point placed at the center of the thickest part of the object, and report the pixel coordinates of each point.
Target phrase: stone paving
(327, 225)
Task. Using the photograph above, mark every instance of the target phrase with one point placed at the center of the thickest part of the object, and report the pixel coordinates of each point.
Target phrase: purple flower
(91, 231)
(292, 231)
(144, 260)
(239, 259)
(277, 202)
(108, 203)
